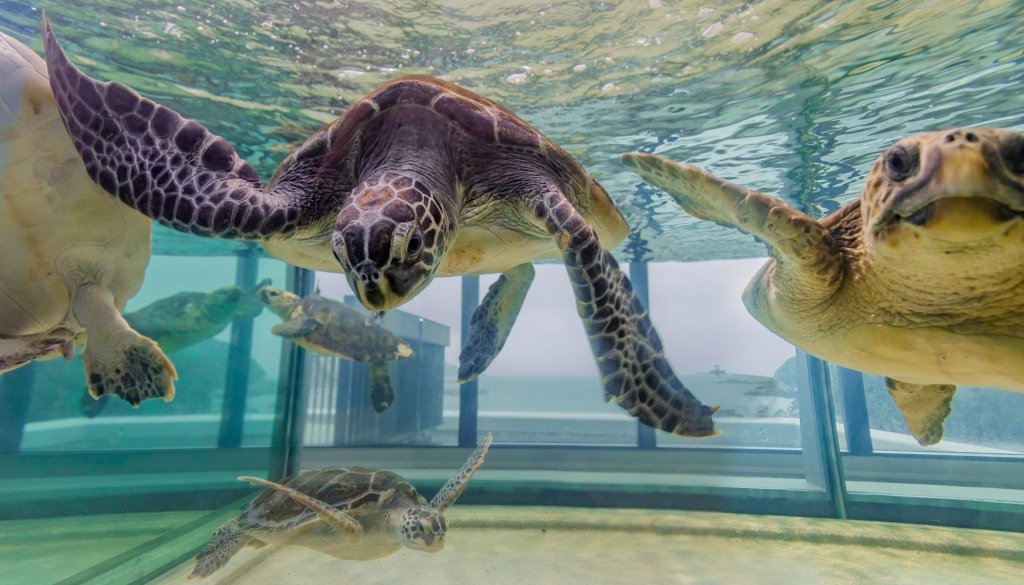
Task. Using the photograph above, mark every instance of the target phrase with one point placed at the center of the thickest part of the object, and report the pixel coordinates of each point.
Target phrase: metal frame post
(236, 383)
(15, 399)
(286, 444)
(469, 397)
(850, 384)
(823, 464)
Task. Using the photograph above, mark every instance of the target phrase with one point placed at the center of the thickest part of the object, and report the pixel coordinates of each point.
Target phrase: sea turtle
(328, 327)
(72, 256)
(185, 319)
(352, 513)
(420, 178)
(919, 280)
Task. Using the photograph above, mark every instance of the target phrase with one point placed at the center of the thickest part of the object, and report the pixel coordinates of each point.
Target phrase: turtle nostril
(951, 137)
(971, 137)
(363, 278)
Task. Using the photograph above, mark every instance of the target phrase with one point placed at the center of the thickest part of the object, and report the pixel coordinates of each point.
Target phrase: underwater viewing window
(760, 170)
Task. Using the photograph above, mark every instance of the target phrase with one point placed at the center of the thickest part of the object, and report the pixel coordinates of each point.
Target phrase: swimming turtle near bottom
(328, 327)
(919, 280)
(72, 255)
(185, 319)
(352, 513)
(420, 178)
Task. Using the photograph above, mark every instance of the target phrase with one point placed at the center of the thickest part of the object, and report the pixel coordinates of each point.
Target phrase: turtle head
(422, 528)
(279, 301)
(389, 239)
(946, 192)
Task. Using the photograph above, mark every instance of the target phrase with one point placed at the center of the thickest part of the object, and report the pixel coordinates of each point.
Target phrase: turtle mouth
(954, 219)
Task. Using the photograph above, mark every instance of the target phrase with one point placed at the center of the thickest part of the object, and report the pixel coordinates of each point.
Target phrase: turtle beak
(373, 288)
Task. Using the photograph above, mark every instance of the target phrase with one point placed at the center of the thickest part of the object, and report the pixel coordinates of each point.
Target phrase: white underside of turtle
(72, 255)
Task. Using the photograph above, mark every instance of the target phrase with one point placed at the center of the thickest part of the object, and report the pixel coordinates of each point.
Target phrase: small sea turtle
(421, 178)
(72, 256)
(328, 327)
(919, 280)
(351, 513)
(185, 319)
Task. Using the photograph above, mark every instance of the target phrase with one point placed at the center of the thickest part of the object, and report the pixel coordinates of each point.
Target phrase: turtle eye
(1012, 151)
(415, 245)
(900, 163)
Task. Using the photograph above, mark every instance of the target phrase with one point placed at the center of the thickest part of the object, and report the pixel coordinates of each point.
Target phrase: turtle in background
(72, 255)
(327, 327)
(352, 513)
(920, 280)
(421, 178)
(185, 319)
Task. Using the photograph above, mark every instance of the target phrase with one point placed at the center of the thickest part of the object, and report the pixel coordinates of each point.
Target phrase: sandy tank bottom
(499, 545)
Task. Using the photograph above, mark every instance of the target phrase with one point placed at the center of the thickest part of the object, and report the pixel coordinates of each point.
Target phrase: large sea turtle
(328, 327)
(420, 178)
(352, 513)
(920, 280)
(72, 256)
(185, 319)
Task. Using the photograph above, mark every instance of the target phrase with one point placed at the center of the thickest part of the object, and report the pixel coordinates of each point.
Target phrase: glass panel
(973, 476)
(178, 308)
(724, 356)
(425, 408)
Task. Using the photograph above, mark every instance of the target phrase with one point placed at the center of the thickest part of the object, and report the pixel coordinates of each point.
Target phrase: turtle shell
(487, 138)
(347, 334)
(345, 488)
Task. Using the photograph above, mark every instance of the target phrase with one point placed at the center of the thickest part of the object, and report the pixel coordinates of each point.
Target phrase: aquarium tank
(288, 376)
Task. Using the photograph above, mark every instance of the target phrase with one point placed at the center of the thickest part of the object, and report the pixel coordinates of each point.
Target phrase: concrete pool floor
(536, 545)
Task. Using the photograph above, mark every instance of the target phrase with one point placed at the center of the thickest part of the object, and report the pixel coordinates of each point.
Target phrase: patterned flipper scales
(634, 370)
(225, 542)
(453, 488)
(492, 321)
(170, 168)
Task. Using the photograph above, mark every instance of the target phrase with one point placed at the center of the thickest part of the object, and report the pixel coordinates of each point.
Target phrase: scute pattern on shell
(345, 488)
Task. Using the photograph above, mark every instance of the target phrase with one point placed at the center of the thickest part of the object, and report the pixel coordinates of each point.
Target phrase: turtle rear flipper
(924, 407)
(225, 542)
(118, 360)
(633, 368)
(795, 238)
(492, 321)
(382, 394)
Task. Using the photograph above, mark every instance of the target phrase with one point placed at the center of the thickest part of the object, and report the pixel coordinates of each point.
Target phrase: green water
(795, 98)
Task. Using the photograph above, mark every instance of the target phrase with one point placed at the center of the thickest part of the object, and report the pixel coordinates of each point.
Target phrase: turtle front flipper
(170, 168)
(335, 518)
(634, 370)
(453, 488)
(924, 407)
(382, 394)
(118, 360)
(492, 321)
(225, 542)
(795, 238)
(297, 328)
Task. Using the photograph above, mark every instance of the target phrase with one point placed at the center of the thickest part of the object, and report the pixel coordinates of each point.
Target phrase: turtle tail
(225, 542)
